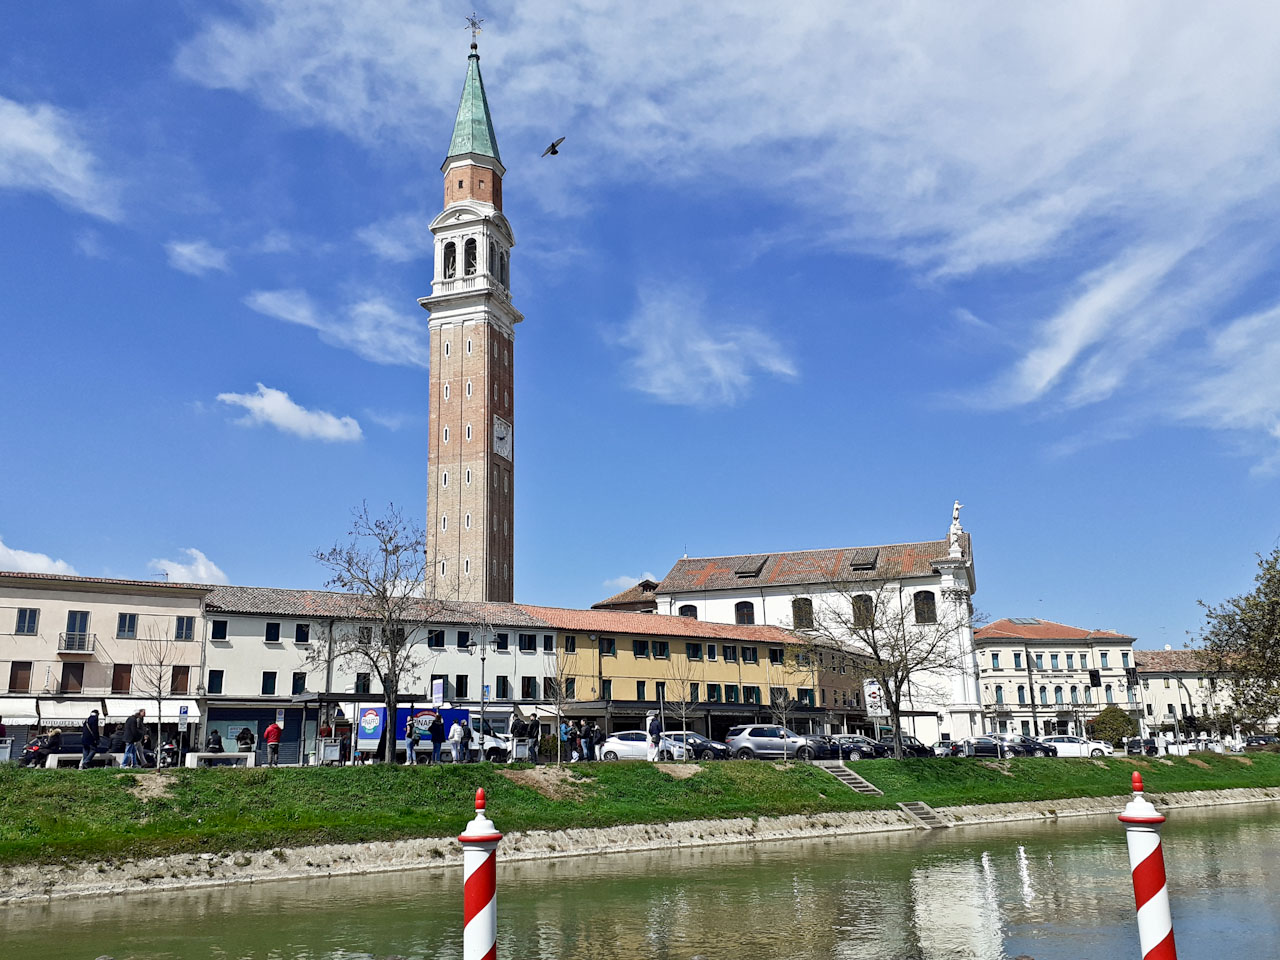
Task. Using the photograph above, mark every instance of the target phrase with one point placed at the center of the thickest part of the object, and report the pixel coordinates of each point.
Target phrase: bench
(55, 760)
(206, 759)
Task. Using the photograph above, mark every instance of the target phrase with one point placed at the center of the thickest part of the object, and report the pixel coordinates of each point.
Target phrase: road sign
(182, 719)
(437, 692)
(486, 693)
(280, 718)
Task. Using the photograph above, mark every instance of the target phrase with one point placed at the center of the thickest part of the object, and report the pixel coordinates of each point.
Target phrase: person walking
(133, 739)
(466, 742)
(455, 741)
(272, 735)
(89, 737)
(589, 741)
(535, 735)
(655, 734)
(411, 739)
(436, 733)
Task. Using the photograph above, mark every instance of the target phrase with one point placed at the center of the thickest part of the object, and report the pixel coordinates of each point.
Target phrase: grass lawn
(50, 815)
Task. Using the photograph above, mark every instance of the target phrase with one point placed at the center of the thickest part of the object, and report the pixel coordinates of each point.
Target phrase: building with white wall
(1176, 683)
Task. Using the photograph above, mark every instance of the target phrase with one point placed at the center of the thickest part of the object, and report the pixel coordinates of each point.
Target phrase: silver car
(768, 742)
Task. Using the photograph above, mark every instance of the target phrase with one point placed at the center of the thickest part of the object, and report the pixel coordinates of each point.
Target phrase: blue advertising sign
(370, 721)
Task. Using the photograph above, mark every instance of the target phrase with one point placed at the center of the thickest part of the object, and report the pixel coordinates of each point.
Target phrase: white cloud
(678, 355)
(23, 561)
(196, 257)
(390, 421)
(91, 245)
(275, 408)
(370, 328)
(399, 239)
(618, 584)
(41, 149)
(197, 569)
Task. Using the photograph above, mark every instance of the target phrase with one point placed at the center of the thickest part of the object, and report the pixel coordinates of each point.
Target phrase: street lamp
(483, 647)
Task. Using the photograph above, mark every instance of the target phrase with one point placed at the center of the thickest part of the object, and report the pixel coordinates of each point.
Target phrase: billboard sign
(437, 692)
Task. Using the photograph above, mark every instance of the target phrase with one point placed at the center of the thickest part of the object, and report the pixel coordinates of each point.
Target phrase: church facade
(471, 447)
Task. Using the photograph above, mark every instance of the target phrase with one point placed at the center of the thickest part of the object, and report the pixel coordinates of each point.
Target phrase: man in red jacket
(272, 736)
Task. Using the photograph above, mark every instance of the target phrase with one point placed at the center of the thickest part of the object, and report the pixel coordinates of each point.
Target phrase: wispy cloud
(91, 245)
(399, 239)
(678, 355)
(389, 421)
(24, 561)
(271, 407)
(370, 328)
(618, 584)
(196, 569)
(196, 257)
(42, 150)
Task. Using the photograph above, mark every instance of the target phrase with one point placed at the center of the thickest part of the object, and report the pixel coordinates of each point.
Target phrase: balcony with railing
(77, 642)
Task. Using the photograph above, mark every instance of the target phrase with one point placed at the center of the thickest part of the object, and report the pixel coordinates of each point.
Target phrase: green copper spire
(473, 130)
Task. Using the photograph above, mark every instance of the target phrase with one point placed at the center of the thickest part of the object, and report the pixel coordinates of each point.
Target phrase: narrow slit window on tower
(450, 261)
(444, 479)
(468, 382)
(468, 348)
(468, 431)
(444, 523)
(495, 392)
(446, 391)
(446, 348)
(495, 349)
(446, 434)
(469, 257)
(466, 521)
(443, 568)
(468, 476)
(459, 184)
(466, 566)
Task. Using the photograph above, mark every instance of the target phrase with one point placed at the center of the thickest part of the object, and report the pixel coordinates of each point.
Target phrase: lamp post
(483, 647)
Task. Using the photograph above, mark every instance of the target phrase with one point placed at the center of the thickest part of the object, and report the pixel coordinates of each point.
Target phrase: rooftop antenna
(473, 24)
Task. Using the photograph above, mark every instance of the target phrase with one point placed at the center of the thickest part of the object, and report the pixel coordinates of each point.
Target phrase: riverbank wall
(37, 882)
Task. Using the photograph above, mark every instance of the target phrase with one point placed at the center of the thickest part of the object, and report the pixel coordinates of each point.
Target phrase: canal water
(1052, 892)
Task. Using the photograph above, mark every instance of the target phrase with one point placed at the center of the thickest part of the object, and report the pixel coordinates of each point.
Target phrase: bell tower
(471, 449)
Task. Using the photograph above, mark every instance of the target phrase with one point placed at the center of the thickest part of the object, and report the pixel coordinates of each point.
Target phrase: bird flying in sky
(554, 149)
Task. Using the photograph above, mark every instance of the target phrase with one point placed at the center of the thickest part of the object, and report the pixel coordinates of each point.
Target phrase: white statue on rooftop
(953, 535)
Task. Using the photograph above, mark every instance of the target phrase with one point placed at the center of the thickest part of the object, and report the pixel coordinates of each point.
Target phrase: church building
(471, 450)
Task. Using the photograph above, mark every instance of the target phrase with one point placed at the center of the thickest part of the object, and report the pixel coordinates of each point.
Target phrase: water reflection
(1054, 892)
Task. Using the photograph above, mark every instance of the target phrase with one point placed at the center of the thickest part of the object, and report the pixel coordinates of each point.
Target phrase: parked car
(911, 747)
(1140, 746)
(991, 746)
(772, 742)
(1260, 741)
(1080, 747)
(699, 746)
(854, 746)
(1030, 746)
(634, 745)
(944, 748)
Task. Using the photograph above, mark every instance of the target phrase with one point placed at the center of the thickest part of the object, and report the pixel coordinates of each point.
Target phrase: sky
(801, 276)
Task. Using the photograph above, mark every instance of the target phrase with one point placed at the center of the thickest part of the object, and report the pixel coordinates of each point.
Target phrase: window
(500, 641)
(750, 655)
(730, 693)
(444, 522)
(1111, 697)
(461, 686)
(640, 648)
(1017, 661)
(491, 266)
(215, 681)
(999, 693)
(570, 643)
(363, 685)
(364, 635)
(606, 689)
(299, 682)
(693, 651)
(1026, 728)
(1084, 661)
(995, 660)
(1053, 661)
(502, 687)
(713, 693)
(1057, 695)
(802, 613)
(1088, 694)
(468, 431)
(1075, 694)
(730, 653)
(693, 693)
(1044, 696)
(805, 696)
(450, 259)
(446, 348)
(1150, 711)
(608, 647)
(127, 626)
(529, 688)
(776, 656)
(273, 633)
(1022, 695)
(711, 651)
(1166, 683)
(446, 434)
(122, 677)
(185, 628)
(661, 650)
(528, 642)
(688, 610)
(268, 683)
(926, 605)
(72, 678)
(218, 630)
(468, 354)
(446, 390)
(469, 258)
(466, 520)
(466, 477)
(27, 617)
(660, 690)
(864, 611)
(1124, 660)
(744, 611)
(571, 688)
(463, 639)
(1071, 661)
(548, 643)
(302, 633)
(435, 638)
(752, 694)
(640, 690)
(1102, 658)
(444, 482)
(1133, 694)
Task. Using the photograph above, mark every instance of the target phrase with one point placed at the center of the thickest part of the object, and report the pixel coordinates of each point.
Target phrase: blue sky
(799, 278)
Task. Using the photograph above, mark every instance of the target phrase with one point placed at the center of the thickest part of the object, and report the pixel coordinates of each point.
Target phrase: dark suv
(911, 747)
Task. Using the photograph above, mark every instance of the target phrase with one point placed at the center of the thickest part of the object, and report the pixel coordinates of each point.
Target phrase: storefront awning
(66, 713)
(19, 711)
(120, 710)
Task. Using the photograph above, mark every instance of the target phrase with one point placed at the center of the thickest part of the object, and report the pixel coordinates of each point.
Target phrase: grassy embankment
(49, 815)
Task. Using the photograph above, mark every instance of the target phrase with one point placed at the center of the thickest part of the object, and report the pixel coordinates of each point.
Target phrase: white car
(634, 745)
(1080, 747)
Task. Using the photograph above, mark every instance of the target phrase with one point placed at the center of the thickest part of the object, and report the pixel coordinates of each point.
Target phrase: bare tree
(383, 567)
(152, 673)
(910, 652)
(560, 686)
(681, 691)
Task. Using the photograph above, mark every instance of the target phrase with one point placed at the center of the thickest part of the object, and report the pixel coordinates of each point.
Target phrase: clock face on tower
(501, 437)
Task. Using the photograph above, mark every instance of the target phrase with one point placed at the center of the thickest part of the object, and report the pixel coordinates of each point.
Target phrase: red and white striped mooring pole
(480, 886)
(1146, 859)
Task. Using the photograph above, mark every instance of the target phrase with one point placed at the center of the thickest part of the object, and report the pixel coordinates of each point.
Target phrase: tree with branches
(152, 672)
(560, 686)
(1242, 643)
(911, 653)
(383, 567)
(680, 693)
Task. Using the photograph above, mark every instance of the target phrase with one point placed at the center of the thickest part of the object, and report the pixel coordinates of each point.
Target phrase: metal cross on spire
(473, 24)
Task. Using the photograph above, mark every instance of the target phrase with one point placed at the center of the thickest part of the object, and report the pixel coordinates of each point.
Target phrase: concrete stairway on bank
(848, 777)
(923, 815)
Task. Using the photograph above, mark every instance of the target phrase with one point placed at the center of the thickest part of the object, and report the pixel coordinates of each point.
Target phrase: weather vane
(473, 23)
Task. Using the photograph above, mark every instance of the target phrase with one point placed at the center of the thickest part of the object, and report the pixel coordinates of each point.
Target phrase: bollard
(480, 886)
(1146, 859)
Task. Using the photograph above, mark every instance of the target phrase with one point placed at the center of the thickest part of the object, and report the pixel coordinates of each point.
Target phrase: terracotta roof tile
(637, 593)
(1170, 661)
(106, 581)
(1035, 629)
(653, 625)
